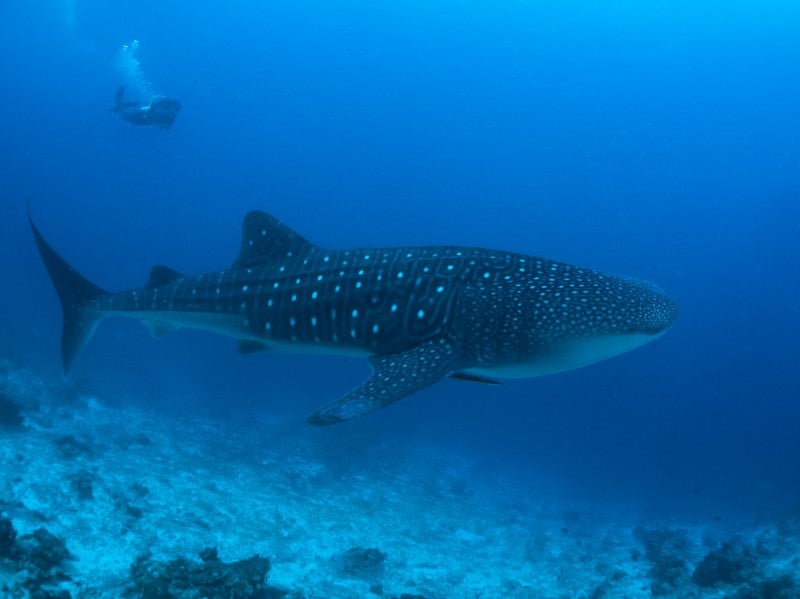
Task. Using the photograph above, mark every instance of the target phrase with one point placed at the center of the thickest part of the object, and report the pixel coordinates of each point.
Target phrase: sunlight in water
(131, 73)
(69, 12)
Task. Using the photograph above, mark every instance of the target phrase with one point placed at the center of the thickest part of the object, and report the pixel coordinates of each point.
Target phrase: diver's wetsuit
(159, 112)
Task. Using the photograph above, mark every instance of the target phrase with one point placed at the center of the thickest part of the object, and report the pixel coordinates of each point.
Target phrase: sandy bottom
(358, 519)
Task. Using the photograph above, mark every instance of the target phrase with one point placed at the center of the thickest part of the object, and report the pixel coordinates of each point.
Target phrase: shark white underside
(567, 355)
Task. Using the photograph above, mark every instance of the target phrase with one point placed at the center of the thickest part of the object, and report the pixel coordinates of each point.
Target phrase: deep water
(655, 140)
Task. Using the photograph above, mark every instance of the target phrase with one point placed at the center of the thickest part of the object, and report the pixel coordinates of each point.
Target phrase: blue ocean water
(657, 140)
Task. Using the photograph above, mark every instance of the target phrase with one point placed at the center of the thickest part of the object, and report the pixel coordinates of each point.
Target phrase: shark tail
(75, 292)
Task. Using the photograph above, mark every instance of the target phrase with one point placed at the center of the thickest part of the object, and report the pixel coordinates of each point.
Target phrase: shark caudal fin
(75, 293)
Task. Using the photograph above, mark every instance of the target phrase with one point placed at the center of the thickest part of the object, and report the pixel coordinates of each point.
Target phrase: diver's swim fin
(118, 98)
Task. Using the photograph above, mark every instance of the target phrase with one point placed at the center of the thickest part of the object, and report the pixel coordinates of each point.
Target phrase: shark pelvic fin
(75, 292)
(265, 240)
(394, 377)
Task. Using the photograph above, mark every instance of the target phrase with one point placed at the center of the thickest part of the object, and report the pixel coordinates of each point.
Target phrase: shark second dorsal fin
(265, 240)
(162, 275)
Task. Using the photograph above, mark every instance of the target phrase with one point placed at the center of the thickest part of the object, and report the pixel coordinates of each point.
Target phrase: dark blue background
(658, 142)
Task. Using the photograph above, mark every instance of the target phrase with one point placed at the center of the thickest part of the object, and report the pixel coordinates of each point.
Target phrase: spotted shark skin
(419, 314)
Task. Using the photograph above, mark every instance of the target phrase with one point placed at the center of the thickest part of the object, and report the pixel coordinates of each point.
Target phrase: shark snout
(660, 313)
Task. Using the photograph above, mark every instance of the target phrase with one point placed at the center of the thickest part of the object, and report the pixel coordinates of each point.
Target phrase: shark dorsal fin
(162, 275)
(265, 240)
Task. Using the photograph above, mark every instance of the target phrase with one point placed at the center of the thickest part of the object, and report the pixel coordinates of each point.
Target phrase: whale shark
(419, 314)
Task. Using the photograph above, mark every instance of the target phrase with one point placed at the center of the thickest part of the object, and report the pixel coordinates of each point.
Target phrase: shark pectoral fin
(250, 347)
(395, 376)
(474, 378)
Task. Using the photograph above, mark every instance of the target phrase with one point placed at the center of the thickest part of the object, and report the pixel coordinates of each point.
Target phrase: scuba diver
(159, 112)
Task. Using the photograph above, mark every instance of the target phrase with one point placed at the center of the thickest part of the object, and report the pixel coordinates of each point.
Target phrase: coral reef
(41, 549)
(7, 537)
(732, 563)
(82, 483)
(210, 578)
(362, 563)
(10, 412)
(36, 559)
(69, 447)
(782, 587)
(107, 484)
(666, 551)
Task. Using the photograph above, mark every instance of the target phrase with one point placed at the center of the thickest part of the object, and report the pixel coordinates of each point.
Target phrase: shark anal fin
(158, 328)
(394, 377)
(162, 275)
(474, 378)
